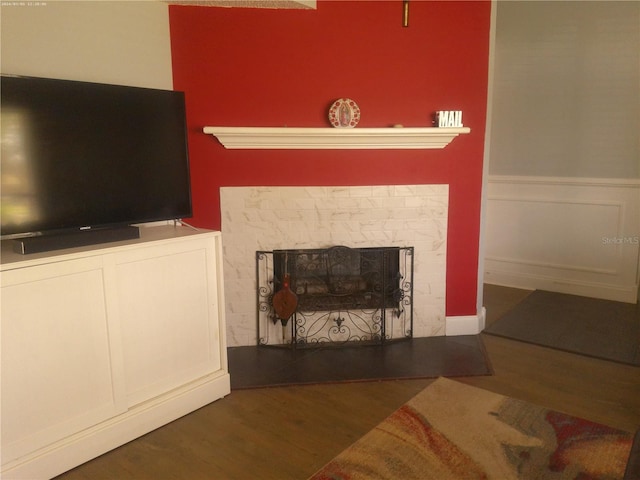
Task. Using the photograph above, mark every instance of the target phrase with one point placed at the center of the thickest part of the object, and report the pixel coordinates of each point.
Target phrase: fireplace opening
(342, 296)
(341, 277)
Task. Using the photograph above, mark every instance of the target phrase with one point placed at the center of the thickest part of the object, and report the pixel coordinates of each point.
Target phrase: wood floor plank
(601, 391)
(290, 432)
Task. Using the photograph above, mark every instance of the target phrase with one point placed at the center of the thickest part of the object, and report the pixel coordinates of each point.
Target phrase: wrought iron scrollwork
(345, 296)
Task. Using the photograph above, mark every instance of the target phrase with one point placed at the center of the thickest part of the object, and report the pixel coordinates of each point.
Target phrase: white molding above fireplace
(335, 138)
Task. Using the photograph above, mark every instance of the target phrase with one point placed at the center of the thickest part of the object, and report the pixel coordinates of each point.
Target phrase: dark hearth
(344, 295)
(465, 355)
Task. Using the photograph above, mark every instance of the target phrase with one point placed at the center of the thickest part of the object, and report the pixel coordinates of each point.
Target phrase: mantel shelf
(335, 138)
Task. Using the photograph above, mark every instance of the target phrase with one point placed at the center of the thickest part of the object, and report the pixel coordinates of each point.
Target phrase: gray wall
(123, 43)
(567, 89)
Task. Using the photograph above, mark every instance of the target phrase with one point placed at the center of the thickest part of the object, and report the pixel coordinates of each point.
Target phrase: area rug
(431, 357)
(454, 431)
(588, 326)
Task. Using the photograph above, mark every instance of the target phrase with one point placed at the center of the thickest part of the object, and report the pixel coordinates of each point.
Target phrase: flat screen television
(80, 157)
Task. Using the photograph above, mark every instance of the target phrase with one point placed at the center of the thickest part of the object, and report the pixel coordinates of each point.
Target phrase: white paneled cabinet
(103, 344)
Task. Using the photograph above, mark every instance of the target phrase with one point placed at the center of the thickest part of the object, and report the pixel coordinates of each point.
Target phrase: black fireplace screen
(343, 296)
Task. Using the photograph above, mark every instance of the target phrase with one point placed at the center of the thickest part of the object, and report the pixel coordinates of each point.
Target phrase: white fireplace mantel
(335, 138)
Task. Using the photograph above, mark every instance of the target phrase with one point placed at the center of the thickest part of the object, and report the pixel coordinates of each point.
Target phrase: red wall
(259, 67)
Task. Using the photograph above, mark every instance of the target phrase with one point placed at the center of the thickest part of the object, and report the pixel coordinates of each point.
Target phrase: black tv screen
(78, 155)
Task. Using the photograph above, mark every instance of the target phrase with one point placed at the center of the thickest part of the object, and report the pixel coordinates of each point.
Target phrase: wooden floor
(290, 432)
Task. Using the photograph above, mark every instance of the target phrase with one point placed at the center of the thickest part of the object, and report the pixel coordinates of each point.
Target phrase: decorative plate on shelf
(344, 113)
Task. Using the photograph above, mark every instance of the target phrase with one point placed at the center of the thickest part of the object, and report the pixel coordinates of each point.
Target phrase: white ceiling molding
(273, 4)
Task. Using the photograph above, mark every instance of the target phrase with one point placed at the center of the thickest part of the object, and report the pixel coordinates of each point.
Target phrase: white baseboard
(465, 324)
(527, 281)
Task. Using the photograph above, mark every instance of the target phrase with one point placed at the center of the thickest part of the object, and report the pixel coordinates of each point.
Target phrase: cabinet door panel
(170, 336)
(56, 367)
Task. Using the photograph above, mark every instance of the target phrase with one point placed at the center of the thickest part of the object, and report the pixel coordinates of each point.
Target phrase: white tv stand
(105, 343)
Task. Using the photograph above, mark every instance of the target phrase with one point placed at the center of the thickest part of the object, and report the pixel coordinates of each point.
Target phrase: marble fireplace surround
(269, 218)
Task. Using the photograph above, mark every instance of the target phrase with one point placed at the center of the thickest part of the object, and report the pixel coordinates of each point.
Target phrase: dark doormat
(431, 357)
(588, 326)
